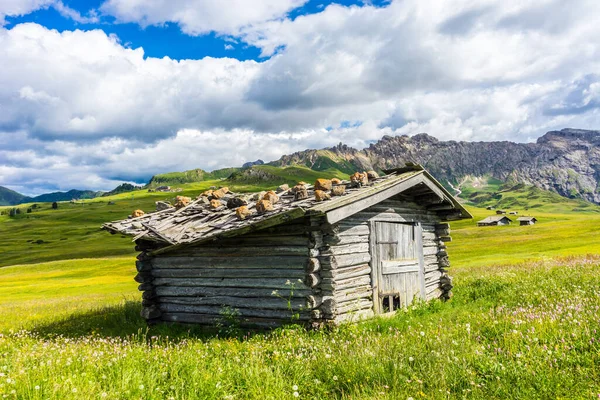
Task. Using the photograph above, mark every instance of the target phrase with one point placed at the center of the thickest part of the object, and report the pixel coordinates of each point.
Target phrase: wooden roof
(494, 218)
(196, 222)
(527, 219)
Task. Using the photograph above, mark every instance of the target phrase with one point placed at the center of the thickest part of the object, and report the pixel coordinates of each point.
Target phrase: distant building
(163, 189)
(489, 208)
(513, 212)
(500, 212)
(495, 221)
(527, 220)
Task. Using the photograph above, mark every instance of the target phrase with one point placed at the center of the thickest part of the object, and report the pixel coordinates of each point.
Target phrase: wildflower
(422, 333)
(274, 293)
(411, 359)
(141, 387)
(37, 387)
(296, 394)
(295, 388)
(335, 377)
(288, 282)
(74, 390)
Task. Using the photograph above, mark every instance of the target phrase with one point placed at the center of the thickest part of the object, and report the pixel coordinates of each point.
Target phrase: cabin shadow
(124, 320)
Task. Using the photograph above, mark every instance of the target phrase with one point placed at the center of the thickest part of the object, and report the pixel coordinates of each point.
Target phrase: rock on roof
(198, 222)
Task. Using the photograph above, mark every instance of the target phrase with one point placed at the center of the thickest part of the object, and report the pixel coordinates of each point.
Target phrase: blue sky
(94, 93)
(166, 40)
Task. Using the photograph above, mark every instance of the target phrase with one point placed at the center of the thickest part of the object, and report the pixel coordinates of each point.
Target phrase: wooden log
(266, 283)
(444, 262)
(442, 225)
(445, 238)
(269, 303)
(243, 312)
(223, 273)
(354, 316)
(143, 277)
(289, 262)
(334, 284)
(353, 229)
(312, 280)
(145, 286)
(313, 265)
(429, 251)
(207, 319)
(348, 307)
(348, 272)
(235, 292)
(150, 312)
(346, 260)
(273, 240)
(241, 251)
(143, 265)
(346, 249)
(345, 240)
(344, 295)
(434, 294)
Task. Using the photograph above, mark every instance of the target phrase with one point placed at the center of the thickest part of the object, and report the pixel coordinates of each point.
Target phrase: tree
(29, 210)
(54, 205)
(12, 212)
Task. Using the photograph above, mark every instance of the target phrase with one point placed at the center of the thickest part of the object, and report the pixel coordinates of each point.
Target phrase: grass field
(524, 322)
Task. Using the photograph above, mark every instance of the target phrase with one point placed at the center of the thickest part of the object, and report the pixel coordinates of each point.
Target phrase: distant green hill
(191, 176)
(65, 196)
(10, 197)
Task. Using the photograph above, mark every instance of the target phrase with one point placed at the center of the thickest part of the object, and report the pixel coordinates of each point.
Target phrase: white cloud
(196, 17)
(86, 105)
(23, 7)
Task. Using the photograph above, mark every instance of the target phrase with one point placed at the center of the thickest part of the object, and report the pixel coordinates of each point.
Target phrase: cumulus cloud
(196, 17)
(11, 8)
(83, 104)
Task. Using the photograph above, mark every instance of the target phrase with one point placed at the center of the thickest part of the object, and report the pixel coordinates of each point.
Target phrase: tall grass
(522, 331)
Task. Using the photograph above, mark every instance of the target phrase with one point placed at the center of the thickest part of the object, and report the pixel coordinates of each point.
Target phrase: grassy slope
(513, 330)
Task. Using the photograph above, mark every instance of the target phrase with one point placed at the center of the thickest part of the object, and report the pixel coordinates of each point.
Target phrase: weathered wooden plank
(349, 272)
(354, 316)
(237, 251)
(274, 240)
(207, 319)
(353, 293)
(269, 303)
(348, 307)
(334, 284)
(283, 262)
(346, 249)
(270, 283)
(346, 260)
(392, 217)
(292, 274)
(353, 230)
(343, 240)
(243, 312)
(226, 291)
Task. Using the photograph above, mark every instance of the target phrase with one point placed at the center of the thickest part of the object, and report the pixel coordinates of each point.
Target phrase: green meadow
(524, 321)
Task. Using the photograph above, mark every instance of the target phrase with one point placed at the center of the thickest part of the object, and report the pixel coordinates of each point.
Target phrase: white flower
(411, 359)
(141, 387)
(288, 282)
(335, 377)
(410, 398)
(295, 387)
(74, 390)
(37, 387)
(104, 394)
(422, 333)
(300, 281)
(274, 293)
(296, 394)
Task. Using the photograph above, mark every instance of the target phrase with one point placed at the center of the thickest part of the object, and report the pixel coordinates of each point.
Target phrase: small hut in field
(495, 221)
(527, 221)
(338, 251)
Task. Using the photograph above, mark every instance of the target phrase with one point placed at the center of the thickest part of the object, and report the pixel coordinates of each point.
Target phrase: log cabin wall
(345, 258)
(263, 277)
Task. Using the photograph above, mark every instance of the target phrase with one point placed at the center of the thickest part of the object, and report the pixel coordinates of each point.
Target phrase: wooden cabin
(527, 221)
(373, 248)
(500, 212)
(495, 221)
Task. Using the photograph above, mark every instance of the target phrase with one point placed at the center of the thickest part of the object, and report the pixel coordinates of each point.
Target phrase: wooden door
(397, 265)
